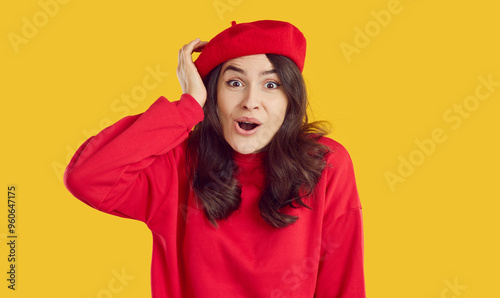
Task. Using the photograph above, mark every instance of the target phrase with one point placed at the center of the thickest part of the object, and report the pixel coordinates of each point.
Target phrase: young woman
(252, 202)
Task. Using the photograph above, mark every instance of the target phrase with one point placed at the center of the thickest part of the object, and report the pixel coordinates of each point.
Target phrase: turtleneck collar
(249, 158)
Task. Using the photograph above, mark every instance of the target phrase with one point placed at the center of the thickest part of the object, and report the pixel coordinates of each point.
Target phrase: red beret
(260, 37)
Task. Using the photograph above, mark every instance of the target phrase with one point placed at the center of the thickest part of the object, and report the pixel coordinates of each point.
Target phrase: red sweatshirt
(136, 169)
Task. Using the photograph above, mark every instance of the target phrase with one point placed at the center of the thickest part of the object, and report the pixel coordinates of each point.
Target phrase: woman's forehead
(253, 64)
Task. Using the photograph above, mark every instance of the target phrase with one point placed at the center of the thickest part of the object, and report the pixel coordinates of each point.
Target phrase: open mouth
(247, 125)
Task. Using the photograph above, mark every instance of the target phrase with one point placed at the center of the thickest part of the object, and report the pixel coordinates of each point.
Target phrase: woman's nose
(251, 100)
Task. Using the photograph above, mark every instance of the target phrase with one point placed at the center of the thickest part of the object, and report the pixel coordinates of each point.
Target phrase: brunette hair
(293, 163)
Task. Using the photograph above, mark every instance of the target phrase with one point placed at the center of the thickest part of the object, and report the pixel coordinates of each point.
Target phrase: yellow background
(437, 226)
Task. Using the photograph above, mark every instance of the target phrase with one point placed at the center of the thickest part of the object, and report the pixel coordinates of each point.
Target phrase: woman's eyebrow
(237, 69)
(267, 72)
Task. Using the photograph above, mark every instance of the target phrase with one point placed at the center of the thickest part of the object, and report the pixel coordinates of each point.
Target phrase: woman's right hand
(189, 78)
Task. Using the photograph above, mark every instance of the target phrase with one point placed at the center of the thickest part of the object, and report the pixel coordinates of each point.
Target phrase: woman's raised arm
(189, 78)
(112, 171)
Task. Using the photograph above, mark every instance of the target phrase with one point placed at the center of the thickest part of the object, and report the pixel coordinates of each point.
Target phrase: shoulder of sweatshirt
(340, 177)
(337, 154)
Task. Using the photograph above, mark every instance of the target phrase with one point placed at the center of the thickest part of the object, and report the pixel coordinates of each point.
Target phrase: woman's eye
(272, 85)
(233, 83)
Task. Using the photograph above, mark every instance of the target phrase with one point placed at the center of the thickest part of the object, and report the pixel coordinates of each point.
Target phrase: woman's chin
(245, 149)
(244, 146)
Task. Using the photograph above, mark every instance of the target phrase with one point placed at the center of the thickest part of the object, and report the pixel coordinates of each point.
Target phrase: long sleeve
(127, 168)
(341, 272)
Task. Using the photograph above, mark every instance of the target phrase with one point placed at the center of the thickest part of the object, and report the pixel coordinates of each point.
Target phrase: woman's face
(251, 102)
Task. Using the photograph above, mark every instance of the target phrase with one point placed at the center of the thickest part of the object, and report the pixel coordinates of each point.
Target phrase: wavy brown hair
(293, 163)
